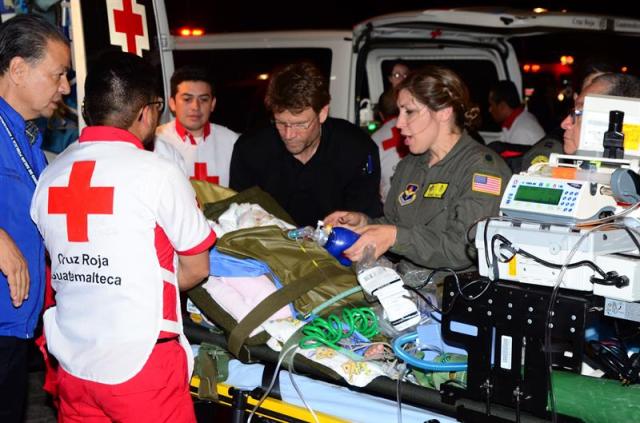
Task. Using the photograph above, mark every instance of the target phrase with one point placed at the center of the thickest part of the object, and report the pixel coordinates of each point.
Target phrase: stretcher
(332, 397)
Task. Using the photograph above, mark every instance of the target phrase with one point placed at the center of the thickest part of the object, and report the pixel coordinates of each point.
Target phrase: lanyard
(23, 159)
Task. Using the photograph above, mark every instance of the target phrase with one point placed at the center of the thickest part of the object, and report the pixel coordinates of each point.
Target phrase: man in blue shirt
(34, 59)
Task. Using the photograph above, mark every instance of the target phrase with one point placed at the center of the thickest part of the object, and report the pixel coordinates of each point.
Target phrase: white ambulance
(476, 43)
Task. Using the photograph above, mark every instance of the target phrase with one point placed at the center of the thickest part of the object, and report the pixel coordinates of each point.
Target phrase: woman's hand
(381, 237)
(351, 220)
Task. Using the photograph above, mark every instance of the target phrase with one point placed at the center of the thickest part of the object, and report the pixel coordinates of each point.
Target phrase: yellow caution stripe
(271, 408)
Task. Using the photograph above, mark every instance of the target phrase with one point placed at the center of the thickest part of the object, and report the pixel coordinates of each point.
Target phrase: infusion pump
(555, 200)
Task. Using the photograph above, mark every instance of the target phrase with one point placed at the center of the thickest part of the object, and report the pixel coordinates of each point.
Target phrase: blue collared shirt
(16, 190)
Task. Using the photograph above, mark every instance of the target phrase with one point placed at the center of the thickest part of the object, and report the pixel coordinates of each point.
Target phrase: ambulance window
(241, 78)
(479, 75)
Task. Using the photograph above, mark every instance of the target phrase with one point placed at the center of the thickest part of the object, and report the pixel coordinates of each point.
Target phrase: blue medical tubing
(432, 366)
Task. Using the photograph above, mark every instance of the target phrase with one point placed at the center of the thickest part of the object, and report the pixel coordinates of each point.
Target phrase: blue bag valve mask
(334, 240)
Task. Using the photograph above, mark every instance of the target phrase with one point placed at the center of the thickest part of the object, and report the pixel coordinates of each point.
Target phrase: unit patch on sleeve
(408, 196)
(436, 190)
(542, 158)
(486, 183)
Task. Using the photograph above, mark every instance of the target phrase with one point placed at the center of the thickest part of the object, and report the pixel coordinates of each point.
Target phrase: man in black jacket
(310, 163)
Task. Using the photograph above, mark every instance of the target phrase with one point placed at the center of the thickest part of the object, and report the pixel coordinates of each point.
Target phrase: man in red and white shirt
(388, 139)
(519, 126)
(124, 235)
(205, 147)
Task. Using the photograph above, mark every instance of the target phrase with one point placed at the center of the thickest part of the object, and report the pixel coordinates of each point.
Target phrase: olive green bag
(309, 274)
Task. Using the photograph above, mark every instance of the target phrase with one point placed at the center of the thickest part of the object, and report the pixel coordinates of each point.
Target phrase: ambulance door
(135, 26)
(479, 66)
(480, 58)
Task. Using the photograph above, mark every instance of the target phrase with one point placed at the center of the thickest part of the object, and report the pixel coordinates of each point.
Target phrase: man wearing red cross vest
(125, 235)
(205, 147)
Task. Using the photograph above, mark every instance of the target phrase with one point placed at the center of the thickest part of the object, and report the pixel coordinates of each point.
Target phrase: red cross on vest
(79, 199)
(200, 173)
(129, 23)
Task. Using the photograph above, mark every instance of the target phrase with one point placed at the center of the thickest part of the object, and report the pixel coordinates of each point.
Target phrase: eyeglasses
(301, 126)
(159, 105)
(398, 75)
(575, 114)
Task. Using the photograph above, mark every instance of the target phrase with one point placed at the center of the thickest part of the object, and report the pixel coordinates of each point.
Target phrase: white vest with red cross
(206, 158)
(113, 217)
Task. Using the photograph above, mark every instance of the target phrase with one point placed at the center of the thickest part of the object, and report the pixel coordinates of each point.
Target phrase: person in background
(125, 235)
(388, 139)
(553, 141)
(307, 161)
(518, 125)
(398, 73)
(34, 60)
(447, 183)
(205, 147)
(612, 84)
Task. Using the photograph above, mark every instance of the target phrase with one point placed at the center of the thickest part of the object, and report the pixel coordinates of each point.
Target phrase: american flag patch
(486, 183)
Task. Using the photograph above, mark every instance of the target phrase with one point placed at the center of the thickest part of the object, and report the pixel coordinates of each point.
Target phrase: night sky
(227, 16)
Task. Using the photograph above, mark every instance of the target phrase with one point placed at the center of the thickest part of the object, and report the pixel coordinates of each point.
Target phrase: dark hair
(190, 73)
(26, 36)
(505, 91)
(387, 103)
(118, 85)
(619, 84)
(438, 88)
(296, 87)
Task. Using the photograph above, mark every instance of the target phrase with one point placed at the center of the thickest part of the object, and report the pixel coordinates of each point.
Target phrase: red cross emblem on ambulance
(128, 25)
(79, 199)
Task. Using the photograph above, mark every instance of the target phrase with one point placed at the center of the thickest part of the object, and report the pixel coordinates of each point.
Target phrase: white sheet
(335, 400)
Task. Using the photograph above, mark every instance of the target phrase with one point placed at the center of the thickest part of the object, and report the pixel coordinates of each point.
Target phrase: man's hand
(351, 220)
(14, 266)
(382, 237)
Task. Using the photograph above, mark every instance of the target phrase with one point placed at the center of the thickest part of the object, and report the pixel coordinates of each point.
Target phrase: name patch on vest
(436, 190)
(409, 195)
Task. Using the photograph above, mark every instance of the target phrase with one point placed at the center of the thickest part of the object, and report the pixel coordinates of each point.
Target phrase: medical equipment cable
(633, 237)
(507, 244)
(333, 300)
(434, 366)
(614, 357)
(299, 392)
(608, 219)
(264, 396)
(547, 328)
(403, 372)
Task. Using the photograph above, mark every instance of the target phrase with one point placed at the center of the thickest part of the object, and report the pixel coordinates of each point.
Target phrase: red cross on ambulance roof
(128, 25)
(80, 199)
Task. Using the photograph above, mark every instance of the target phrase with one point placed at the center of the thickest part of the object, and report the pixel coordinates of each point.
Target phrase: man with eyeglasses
(34, 59)
(613, 84)
(311, 164)
(125, 235)
(204, 148)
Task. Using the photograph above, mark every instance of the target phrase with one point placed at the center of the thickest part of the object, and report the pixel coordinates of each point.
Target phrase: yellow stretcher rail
(271, 408)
